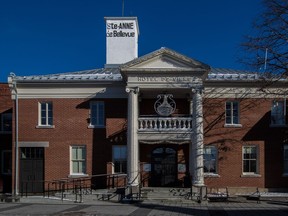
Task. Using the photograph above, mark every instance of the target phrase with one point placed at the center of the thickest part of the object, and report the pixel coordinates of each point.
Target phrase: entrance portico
(165, 75)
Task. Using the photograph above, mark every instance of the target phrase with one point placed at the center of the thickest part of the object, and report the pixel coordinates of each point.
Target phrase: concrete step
(165, 193)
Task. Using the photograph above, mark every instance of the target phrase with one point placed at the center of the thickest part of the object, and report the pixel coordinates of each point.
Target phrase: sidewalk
(33, 206)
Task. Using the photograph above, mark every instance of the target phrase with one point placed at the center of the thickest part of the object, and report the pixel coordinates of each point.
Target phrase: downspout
(14, 93)
(16, 143)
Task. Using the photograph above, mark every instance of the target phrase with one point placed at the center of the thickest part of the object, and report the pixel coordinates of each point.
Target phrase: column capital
(199, 90)
(135, 90)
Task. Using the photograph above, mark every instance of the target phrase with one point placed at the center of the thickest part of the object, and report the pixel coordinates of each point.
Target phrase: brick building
(163, 117)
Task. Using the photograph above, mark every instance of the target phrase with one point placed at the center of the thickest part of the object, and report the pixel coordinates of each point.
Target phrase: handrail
(78, 185)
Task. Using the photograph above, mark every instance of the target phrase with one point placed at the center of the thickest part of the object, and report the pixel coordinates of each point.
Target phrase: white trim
(51, 91)
(77, 175)
(71, 162)
(99, 115)
(232, 124)
(113, 159)
(211, 174)
(280, 104)
(251, 174)
(47, 125)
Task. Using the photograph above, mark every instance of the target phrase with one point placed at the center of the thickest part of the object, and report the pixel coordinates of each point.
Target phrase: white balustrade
(164, 123)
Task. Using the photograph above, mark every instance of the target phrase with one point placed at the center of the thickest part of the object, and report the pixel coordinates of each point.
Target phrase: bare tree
(267, 49)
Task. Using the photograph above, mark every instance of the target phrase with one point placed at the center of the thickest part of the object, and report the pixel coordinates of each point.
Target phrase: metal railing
(78, 186)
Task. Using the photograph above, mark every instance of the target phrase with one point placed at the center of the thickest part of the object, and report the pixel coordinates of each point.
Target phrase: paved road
(41, 207)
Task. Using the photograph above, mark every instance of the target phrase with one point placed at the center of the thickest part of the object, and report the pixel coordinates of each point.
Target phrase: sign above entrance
(165, 79)
(165, 105)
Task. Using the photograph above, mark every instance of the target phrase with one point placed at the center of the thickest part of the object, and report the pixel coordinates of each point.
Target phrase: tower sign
(121, 39)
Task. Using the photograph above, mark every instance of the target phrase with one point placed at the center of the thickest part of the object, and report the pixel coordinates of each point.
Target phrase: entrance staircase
(165, 194)
(147, 193)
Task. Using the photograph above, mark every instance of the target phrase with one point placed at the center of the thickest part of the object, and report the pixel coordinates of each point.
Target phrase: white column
(197, 139)
(191, 156)
(132, 137)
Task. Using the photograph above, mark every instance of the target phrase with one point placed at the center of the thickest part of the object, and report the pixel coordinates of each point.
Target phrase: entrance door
(32, 170)
(164, 172)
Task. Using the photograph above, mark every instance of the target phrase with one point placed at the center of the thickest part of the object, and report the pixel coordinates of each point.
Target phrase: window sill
(251, 175)
(285, 175)
(211, 175)
(46, 126)
(94, 126)
(278, 125)
(77, 175)
(233, 125)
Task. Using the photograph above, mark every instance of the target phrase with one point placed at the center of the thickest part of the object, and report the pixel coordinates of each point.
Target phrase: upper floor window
(210, 159)
(232, 113)
(97, 114)
(285, 159)
(45, 114)
(278, 113)
(250, 160)
(6, 122)
(78, 160)
(120, 158)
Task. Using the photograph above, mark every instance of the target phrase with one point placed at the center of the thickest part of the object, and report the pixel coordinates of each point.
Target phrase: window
(120, 159)
(250, 160)
(6, 162)
(278, 112)
(97, 114)
(285, 159)
(32, 153)
(232, 113)
(6, 122)
(210, 159)
(78, 160)
(45, 114)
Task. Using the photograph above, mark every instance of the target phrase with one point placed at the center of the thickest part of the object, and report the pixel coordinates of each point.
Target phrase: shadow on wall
(274, 139)
(113, 132)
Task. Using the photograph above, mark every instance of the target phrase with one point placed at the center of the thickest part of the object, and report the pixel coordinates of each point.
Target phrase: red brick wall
(71, 120)
(255, 130)
(71, 127)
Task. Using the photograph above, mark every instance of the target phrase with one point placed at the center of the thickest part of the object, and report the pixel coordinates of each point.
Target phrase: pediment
(161, 62)
(164, 59)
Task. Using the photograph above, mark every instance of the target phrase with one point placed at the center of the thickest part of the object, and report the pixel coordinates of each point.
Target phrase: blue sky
(54, 36)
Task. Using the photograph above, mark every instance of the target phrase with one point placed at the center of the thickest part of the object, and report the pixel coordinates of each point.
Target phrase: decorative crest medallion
(165, 105)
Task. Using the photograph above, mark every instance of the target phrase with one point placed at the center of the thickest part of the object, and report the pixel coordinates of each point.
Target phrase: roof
(101, 74)
(230, 74)
(113, 74)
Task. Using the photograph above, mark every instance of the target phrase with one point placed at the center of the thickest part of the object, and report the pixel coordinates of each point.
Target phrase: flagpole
(122, 8)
